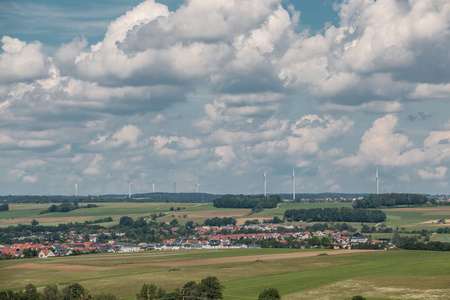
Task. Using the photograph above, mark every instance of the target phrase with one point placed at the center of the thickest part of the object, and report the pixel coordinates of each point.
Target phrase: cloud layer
(219, 91)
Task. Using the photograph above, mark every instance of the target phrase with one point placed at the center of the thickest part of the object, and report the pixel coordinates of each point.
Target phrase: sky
(103, 93)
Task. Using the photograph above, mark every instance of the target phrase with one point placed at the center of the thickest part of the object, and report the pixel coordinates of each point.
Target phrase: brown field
(439, 209)
(69, 268)
(44, 220)
(224, 260)
(215, 213)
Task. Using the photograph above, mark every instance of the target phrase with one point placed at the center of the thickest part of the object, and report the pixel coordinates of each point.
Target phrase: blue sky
(100, 93)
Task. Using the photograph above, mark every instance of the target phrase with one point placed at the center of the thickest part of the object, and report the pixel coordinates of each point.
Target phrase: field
(409, 218)
(246, 272)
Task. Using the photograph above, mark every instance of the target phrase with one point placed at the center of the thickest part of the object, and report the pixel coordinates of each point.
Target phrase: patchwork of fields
(392, 274)
(245, 272)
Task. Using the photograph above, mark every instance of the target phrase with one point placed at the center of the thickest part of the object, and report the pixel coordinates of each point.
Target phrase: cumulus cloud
(382, 145)
(311, 130)
(436, 173)
(382, 50)
(94, 167)
(21, 61)
(250, 66)
(129, 135)
(31, 164)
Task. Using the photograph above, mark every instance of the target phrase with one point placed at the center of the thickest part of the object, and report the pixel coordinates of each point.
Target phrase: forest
(247, 201)
(392, 199)
(343, 214)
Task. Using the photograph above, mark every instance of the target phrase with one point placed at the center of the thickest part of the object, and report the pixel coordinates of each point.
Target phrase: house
(46, 254)
(357, 240)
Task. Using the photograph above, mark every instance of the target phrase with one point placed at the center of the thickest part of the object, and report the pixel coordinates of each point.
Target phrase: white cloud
(94, 167)
(436, 173)
(31, 164)
(381, 145)
(21, 61)
(226, 156)
(129, 135)
(311, 130)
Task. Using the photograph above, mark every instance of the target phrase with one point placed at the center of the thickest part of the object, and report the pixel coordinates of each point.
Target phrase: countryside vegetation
(415, 267)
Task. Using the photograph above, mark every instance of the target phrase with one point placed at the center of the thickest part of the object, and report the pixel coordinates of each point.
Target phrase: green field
(409, 218)
(375, 275)
(415, 218)
(24, 213)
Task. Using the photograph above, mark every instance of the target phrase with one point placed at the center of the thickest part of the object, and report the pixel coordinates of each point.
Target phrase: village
(205, 237)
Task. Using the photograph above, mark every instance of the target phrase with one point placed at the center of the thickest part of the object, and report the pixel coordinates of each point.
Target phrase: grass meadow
(375, 275)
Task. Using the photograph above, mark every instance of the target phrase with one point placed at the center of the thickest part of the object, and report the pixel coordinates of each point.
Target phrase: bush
(269, 294)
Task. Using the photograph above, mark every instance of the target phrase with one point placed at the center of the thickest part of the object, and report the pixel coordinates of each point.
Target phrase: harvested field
(63, 268)
(215, 213)
(423, 209)
(224, 260)
(44, 220)
(366, 288)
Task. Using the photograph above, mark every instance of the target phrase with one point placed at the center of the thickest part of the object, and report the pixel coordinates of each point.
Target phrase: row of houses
(48, 249)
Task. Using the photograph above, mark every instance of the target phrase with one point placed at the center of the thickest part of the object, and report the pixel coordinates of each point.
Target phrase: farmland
(297, 274)
(246, 272)
(411, 218)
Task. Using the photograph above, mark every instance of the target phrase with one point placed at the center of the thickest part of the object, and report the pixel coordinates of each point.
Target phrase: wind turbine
(293, 184)
(197, 187)
(378, 181)
(129, 189)
(265, 184)
(153, 187)
(76, 189)
(175, 187)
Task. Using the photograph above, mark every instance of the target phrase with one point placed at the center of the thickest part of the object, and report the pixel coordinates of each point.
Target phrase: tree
(104, 297)
(126, 221)
(34, 222)
(74, 292)
(189, 224)
(276, 220)
(51, 292)
(211, 288)
(191, 290)
(269, 294)
(358, 298)
(396, 237)
(4, 207)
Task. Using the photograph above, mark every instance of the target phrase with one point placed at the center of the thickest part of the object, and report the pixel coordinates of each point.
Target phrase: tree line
(220, 222)
(430, 246)
(66, 207)
(343, 214)
(392, 199)
(247, 201)
(208, 288)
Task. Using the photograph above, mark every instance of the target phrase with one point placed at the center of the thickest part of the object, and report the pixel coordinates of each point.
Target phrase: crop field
(25, 213)
(246, 272)
(409, 218)
(423, 217)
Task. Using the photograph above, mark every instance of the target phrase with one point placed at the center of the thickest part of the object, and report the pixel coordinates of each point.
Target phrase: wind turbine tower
(265, 184)
(153, 187)
(197, 187)
(76, 189)
(175, 187)
(378, 182)
(293, 184)
(129, 189)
